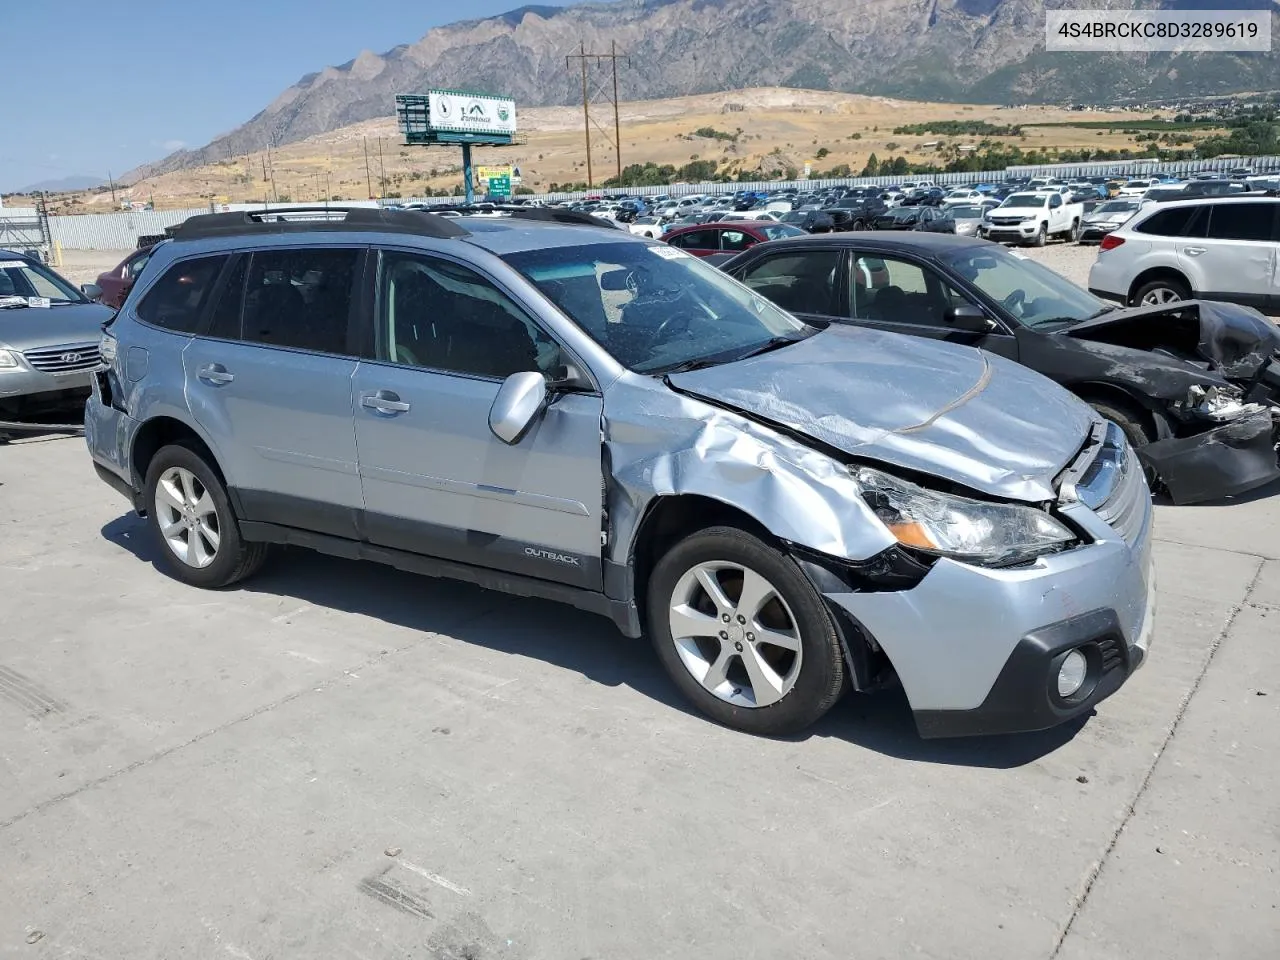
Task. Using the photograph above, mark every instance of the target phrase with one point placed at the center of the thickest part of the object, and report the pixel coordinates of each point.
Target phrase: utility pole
(112, 182)
(382, 190)
(368, 175)
(613, 56)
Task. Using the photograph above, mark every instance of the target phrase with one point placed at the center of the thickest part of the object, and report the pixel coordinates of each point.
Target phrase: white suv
(1216, 248)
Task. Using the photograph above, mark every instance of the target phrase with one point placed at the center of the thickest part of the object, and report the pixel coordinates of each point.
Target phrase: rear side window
(178, 299)
(301, 298)
(1168, 223)
(1241, 221)
(696, 240)
(224, 319)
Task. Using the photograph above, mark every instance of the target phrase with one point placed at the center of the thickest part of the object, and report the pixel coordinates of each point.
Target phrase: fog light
(1072, 673)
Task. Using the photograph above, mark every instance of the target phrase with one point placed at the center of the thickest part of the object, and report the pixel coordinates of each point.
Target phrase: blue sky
(92, 86)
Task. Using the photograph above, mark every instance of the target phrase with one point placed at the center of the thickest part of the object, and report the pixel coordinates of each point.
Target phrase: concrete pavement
(342, 760)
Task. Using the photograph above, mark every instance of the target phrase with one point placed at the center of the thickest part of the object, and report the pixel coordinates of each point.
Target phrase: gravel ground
(83, 266)
(1069, 259)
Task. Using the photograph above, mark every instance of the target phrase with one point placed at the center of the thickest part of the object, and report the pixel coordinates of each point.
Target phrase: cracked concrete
(228, 774)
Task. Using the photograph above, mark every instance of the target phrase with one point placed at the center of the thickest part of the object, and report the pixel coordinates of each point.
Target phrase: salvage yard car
(49, 335)
(1106, 217)
(1033, 218)
(1193, 389)
(554, 409)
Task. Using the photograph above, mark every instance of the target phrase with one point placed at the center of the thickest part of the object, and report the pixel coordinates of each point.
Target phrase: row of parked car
(836, 459)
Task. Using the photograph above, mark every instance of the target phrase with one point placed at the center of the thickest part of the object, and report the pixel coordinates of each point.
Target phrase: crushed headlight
(1217, 403)
(992, 534)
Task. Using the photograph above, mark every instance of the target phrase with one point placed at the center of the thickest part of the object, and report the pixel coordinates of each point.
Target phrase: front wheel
(1074, 235)
(190, 515)
(743, 633)
(1042, 235)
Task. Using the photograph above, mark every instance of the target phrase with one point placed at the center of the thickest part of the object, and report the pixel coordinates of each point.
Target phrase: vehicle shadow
(580, 642)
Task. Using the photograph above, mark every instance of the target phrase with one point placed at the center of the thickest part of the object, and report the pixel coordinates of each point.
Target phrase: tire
(1162, 291)
(186, 473)
(1042, 235)
(858, 225)
(1137, 428)
(775, 689)
(1074, 235)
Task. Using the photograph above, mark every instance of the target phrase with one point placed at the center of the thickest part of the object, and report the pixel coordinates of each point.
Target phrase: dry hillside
(774, 128)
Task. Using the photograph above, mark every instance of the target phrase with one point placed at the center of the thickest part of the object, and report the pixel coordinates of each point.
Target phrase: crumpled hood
(937, 408)
(1237, 341)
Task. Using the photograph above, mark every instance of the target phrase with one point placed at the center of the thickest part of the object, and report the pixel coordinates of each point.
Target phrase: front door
(904, 296)
(436, 481)
(805, 281)
(271, 379)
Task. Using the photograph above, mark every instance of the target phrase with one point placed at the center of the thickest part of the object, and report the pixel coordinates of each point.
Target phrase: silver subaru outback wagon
(555, 409)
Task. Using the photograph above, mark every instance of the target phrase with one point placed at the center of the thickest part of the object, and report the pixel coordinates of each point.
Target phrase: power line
(584, 58)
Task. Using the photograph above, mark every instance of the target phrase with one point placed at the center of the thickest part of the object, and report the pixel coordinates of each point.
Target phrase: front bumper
(976, 648)
(1237, 456)
(1013, 231)
(23, 382)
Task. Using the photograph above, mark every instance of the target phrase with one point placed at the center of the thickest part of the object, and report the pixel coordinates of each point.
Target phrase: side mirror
(519, 402)
(91, 290)
(968, 318)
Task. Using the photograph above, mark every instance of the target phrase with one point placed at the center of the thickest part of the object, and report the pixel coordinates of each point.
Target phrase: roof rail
(317, 220)
(519, 212)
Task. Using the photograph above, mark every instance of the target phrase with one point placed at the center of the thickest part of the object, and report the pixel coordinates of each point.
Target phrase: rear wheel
(743, 633)
(1164, 290)
(191, 517)
(858, 225)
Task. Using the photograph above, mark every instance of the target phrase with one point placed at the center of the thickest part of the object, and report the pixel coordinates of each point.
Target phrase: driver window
(439, 315)
(1056, 200)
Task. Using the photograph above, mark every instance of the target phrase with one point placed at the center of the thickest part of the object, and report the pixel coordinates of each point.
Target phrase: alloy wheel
(1159, 296)
(188, 517)
(735, 633)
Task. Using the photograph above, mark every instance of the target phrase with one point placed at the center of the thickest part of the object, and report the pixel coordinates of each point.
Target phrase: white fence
(120, 231)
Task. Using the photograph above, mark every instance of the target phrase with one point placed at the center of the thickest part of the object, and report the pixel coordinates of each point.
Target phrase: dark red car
(116, 283)
(706, 239)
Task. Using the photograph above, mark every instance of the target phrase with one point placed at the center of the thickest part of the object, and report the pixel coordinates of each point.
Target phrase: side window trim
(373, 332)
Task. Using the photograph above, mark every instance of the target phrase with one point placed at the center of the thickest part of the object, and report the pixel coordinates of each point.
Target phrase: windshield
(1024, 200)
(904, 213)
(966, 212)
(1116, 206)
(23, 278)
(655, 307)
(1035, 295)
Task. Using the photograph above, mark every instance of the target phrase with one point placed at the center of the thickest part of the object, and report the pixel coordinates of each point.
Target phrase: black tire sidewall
(1176, 286)
(822, 671)
(1042, 236)
(230, 546)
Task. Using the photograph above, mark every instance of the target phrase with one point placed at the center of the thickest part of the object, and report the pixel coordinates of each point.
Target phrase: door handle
(384, 401)
(215, 374)
(1193, 251)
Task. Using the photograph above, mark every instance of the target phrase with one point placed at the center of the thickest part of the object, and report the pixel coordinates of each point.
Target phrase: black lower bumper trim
(116, 483)
(1025, 695)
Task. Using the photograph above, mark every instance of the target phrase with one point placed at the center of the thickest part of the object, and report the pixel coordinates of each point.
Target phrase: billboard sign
(490, 173)
(458, 112)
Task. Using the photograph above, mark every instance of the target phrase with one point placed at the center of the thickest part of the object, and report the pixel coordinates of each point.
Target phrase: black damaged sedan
(1194, 385)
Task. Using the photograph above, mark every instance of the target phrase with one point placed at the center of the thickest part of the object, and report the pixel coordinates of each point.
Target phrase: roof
(932, 244)
(15, 255)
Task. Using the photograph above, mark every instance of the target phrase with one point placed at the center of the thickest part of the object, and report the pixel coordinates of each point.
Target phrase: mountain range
(976, 51)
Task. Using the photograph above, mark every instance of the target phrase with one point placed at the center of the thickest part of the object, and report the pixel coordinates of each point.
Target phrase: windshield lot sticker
(40, 302)
(668, 253)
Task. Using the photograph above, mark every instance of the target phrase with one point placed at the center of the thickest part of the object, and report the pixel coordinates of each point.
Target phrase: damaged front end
(1211, 374)
(1235, 449)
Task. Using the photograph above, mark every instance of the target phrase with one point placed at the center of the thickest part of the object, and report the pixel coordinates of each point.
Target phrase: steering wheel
(1014, 300)
(673, 325)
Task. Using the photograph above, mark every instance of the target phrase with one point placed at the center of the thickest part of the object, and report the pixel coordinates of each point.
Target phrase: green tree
(872, 169)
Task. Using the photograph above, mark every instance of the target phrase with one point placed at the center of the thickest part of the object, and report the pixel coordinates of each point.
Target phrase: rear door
(1234, 253)
(806, 281)
(270, 378)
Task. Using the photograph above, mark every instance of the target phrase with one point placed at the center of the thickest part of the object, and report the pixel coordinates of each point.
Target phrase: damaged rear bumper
(1221, 462)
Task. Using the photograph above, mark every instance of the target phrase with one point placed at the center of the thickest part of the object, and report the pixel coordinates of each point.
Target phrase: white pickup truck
(1033, 217)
